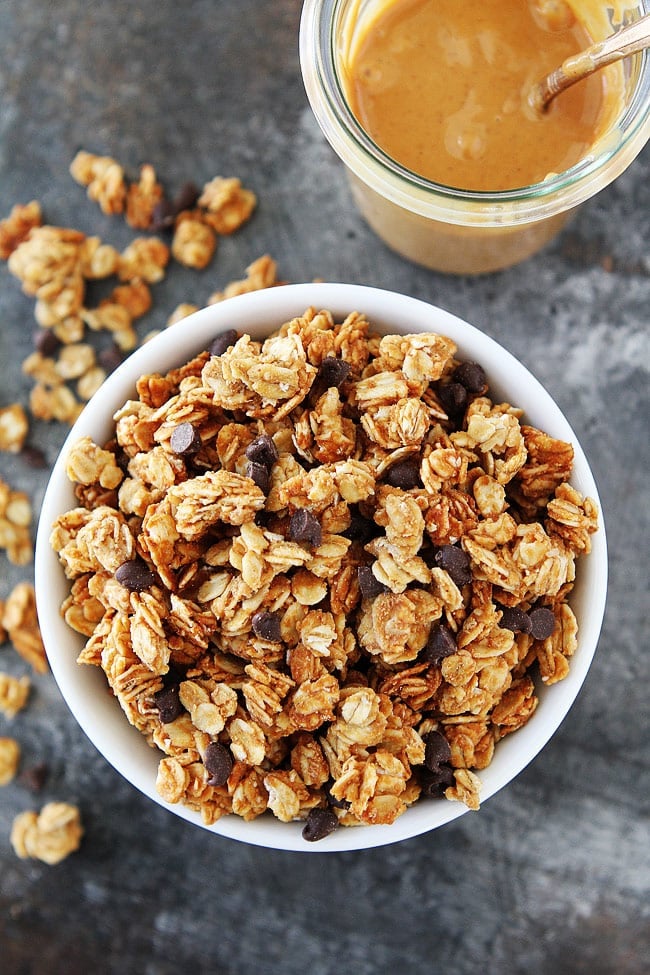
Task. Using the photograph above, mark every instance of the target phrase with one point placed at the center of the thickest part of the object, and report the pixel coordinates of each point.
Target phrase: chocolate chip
(263, 451)
(222, 341)
(34, 457)
(436, 750)
(453, 397)
(456, 562)
(542, 623)
(168, 703)
(332, 800)
(259, 474)
(304, 527)
(218, 762)
(166, 210)
(405, 474)
(369, 585)
(433, 784)
(267, 626)
(472, 376)
(35, 776)
(360, 529)
(135, 575)
(186, 197)
(163, 216)
(111, 357)
(440, 644)
(46, 342)
(320, 822)
(332, 372)
(185, 440)
(515, 619)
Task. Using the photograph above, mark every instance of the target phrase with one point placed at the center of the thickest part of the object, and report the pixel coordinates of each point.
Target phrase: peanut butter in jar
(426, 103)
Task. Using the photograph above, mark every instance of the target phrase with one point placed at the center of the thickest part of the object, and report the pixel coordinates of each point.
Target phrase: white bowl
(84, 688)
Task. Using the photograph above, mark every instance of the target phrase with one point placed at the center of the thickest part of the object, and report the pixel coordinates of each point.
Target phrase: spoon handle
(629, 40)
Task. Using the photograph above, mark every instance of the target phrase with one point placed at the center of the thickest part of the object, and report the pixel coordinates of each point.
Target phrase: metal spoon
(629, 40)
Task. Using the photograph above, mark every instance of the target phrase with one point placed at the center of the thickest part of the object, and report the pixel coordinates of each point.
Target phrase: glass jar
(452, 230)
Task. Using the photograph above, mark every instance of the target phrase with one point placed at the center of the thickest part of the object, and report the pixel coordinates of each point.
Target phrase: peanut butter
(442, 87)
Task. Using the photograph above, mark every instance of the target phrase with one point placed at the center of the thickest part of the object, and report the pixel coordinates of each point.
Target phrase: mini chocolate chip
(472, 376)
(185, 440)
(35, 776)
(111, 357)
(163, 215)
(515, 619)
(453, 397)
(168, 703)
(320, 822)
(405, 474)
(263, 451)
(135, 575)
(46, 342)
(258, 473)
(542, 623)
(436, 750)
(186, 196)
(360, 529)
(440, 644)
(218, 762)
(222, 341)
(34, 457)
(433, 784)
(267, 626)
(304, 527)
(456, 562)
(369, 585)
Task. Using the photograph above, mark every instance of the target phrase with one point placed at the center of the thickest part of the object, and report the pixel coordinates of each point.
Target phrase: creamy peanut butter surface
(441, 86)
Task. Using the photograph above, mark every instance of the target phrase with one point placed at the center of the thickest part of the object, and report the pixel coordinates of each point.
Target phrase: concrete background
(552, 874)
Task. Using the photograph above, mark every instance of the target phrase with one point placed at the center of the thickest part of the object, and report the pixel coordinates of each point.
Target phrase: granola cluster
(15, 525)
(55, 266)
(197, 217)
(322, 572)
(50, 835)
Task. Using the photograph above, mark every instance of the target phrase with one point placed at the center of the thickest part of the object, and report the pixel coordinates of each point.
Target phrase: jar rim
(363, 157)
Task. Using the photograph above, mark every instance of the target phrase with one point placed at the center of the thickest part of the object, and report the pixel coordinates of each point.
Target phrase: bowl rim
(100, 717)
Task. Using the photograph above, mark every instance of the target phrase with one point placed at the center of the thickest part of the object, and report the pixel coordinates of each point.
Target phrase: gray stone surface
(552, 874)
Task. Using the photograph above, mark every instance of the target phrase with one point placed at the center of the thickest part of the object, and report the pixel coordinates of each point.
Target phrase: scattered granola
(15, 525)
(321, 571)
(9, 759)
(17, 226)
(55, 264)
(14, 427)
(262, 273)
(104, 179)
(20, 621)
(14, 692)
(50, 835)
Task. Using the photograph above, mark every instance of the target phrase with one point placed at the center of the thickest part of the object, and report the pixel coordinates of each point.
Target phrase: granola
(55, 265)
(19, 620)
(9, 759)
(14, 693)
(50, 835)
(15, 525)
(323, 572)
